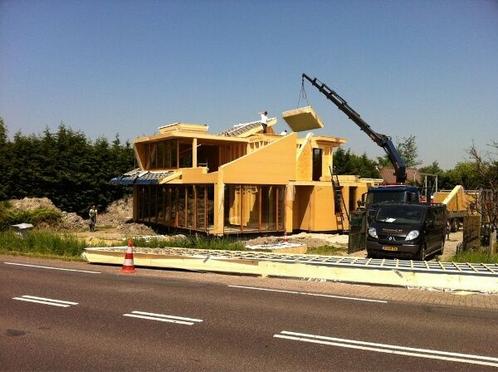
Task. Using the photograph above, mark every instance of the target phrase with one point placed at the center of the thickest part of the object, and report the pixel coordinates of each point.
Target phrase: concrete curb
(200, 260)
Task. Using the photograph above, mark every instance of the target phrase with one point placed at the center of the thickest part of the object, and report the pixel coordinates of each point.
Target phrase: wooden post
(241, 208)
(260, 190)
(492, 242)
(177, 154)
(194, 153)
(195, 208)
(206, 216)
(276, 207)
(185, 196)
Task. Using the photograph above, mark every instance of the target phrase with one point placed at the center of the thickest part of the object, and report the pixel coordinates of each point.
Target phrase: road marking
(52, 268)
(45, 301)
(163, 318)
(310, 294)
(390, 349)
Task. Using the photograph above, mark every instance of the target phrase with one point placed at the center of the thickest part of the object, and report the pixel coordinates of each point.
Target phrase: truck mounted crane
(388, 193)
(380, 139)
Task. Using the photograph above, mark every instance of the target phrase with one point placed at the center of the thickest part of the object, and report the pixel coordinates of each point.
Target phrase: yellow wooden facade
(232, 184)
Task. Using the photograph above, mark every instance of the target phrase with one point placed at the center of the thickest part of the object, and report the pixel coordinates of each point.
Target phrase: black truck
(413, 231)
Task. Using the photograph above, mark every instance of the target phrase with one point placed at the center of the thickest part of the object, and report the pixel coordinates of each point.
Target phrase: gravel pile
(309, 239)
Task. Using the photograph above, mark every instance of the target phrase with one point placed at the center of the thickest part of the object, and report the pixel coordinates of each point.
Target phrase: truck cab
(392, 194)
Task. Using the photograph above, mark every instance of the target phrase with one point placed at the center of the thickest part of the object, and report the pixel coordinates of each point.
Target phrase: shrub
(9, 216)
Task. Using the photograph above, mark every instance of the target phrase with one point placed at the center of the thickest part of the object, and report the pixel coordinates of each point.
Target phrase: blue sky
(427, 68)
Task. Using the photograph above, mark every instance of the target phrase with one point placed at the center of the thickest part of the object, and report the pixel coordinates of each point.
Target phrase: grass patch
(192, 241)
(41, 243)
(326, 250)
(475, 257)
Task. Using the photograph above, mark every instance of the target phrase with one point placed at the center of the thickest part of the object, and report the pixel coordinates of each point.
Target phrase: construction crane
(380, 139)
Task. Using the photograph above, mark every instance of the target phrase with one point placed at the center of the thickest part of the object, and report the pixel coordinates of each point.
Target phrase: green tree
(407, 148)
(3, 133)
(64, 166)
(346, 162)
(4, 160)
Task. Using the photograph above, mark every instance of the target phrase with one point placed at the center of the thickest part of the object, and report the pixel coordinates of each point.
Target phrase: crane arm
(380, 139)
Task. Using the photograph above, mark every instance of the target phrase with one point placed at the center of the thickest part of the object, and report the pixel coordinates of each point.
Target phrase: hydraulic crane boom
(380, 139)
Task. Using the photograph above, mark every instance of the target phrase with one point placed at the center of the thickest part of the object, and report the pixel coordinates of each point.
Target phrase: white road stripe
(390, 349)
(310, 294)
(45, 301)
(52, 268)
(168, 316)
(51, 300)
(163, 317)
(158, 319)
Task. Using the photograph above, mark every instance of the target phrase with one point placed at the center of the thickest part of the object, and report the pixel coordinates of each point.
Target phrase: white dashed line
(52, 268)
(45, 301)
(310, 294)
(163, 317)
(390, 349)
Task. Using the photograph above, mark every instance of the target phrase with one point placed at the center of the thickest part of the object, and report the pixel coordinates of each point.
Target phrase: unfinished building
(244, 180)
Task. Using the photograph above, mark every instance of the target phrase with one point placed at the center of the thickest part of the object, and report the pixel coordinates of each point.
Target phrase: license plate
(389, 248)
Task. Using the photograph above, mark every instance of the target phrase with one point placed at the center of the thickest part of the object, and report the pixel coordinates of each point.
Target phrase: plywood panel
(301, 119)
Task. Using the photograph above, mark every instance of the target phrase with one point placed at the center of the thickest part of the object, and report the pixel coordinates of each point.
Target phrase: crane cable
(302, 94)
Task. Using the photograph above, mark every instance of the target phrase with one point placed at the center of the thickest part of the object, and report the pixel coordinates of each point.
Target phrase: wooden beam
(260, 198)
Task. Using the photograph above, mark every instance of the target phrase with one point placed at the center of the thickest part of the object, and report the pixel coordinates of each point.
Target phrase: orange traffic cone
(128, 265)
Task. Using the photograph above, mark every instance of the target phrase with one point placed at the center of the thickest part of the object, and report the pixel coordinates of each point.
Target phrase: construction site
(279, 194)
(249, 179)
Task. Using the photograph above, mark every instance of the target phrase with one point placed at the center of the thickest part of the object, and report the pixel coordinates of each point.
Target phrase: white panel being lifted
(303, 118)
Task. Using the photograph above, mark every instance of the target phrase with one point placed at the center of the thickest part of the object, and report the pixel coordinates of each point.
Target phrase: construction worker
(92, 213)
(264, 120)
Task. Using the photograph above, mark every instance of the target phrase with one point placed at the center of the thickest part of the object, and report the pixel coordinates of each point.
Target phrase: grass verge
(42, 244)
(193, 241)
(475, 257)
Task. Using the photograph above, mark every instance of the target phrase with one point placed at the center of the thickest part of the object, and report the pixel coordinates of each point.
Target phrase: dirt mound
(28, 204)
(117, 213)
(134, 229)
(73, 222)
(117, 216)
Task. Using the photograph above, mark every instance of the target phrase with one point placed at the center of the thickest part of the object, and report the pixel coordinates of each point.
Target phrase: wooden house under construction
(244, 180)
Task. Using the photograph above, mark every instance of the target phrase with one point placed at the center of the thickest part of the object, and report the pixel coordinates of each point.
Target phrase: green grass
(41, 243)
(193, 241)
(475, 257)
(326, 250)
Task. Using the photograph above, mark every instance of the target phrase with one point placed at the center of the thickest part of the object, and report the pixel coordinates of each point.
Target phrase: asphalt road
(71, 320)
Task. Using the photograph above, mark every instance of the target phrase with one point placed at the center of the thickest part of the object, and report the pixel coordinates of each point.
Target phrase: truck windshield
(401, 214)
(385, 196)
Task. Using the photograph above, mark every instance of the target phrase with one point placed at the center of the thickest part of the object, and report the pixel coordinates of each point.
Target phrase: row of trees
(74, 171)
(64, 166)
(480, 171)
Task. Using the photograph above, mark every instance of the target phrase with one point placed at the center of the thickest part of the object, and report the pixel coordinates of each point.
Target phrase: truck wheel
(420, 256)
